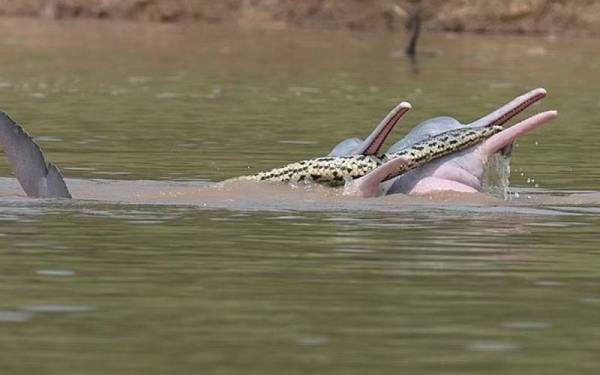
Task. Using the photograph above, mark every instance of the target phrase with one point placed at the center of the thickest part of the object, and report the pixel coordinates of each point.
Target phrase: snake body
(335, 171)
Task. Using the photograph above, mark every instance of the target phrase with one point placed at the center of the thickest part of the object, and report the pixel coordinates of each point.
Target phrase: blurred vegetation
(521, 16)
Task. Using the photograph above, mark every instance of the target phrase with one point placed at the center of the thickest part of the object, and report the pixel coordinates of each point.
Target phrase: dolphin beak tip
(546, 116)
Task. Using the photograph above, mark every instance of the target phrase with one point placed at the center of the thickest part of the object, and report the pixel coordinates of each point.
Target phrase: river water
(290, 281)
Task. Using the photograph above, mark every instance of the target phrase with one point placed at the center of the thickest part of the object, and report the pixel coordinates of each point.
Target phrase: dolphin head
(462, 171)
(434, 126)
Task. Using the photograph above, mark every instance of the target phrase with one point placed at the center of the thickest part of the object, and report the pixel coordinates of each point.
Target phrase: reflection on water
(282, 280)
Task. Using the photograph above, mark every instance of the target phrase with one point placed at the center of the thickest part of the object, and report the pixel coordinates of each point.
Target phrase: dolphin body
(41, 179)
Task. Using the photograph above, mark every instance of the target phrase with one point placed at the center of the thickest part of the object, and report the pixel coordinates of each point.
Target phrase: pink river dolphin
(462, 171)
(459, 172)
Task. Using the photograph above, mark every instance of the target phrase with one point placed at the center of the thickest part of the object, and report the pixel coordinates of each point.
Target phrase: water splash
(496, 180)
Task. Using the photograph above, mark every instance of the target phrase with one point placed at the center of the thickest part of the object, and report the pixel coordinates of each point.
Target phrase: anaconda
(336, 171)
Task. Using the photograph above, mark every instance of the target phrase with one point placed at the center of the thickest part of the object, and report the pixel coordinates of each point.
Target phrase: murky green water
(383, 287)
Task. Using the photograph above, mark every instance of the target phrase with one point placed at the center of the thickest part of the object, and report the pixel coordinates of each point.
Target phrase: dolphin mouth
(372, 145)
(503, 114)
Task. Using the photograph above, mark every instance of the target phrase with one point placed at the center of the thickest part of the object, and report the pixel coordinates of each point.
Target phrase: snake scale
(335, 171)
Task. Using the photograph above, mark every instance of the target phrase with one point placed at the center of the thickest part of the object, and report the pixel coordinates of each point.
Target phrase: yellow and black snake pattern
(335, 171)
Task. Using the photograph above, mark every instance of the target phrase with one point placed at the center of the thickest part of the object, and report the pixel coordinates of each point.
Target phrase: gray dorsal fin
(38, 178)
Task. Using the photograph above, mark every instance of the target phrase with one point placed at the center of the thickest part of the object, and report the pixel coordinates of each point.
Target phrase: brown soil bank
(525, 16)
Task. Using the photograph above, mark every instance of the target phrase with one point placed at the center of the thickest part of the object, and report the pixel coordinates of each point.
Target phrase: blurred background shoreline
(545, 17)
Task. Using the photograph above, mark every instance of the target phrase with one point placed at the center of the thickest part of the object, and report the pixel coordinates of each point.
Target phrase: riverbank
(526, 16)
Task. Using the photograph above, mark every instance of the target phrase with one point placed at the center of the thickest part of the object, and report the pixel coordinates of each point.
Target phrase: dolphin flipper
(38, 178)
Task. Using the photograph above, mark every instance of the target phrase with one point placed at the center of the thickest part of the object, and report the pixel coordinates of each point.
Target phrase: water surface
(296, 281)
